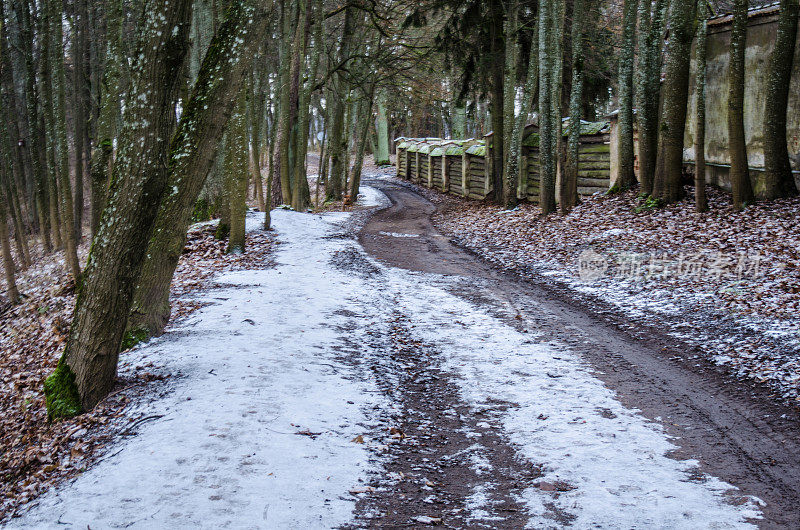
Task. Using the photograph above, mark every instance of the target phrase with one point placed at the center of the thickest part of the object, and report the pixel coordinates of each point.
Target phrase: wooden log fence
(464, 167)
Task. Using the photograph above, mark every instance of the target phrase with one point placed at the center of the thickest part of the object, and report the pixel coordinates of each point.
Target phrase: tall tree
(779, 181)
(625, 150)
(192, 156)
(60, 121)
(667, 185)
(651, 29)
(700, 199)
(236, 172)
(547, 154)
(86, 371)
(741, 186)
(569, 176)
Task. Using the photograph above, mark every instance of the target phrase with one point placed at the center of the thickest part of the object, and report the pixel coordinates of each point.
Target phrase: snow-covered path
(261, 428)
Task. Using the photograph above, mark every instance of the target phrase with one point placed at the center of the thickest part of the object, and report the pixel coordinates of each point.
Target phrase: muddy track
(735, 430)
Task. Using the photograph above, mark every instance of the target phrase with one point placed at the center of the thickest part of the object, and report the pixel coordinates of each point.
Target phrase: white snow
(263, 363)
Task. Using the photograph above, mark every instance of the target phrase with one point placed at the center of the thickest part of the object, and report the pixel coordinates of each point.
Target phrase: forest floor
(367, 372)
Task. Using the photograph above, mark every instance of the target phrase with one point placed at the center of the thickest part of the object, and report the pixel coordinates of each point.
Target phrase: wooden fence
(464, 167)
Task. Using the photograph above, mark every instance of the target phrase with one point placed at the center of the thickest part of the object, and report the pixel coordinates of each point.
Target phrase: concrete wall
(760, 42)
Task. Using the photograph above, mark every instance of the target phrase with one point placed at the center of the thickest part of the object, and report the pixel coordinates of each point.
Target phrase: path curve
(733, 429)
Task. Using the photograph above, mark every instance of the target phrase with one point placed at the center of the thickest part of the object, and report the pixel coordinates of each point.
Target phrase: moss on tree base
(63, 399)
(133, 337)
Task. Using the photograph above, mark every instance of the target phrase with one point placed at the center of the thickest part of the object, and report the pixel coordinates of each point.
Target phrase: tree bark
(547, 169)
(700, 199)
(497, 93)
(667, 186)
(338, 143)
(236, 172)
(192, 156)
(569, 174)
(5, 246)
(737, 145)
(649, 88)
(86, 372)
(777, 168)
(625, 151)
(60, 120)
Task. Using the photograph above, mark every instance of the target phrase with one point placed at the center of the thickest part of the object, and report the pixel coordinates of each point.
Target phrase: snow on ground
(258, 430)
(256, 371)
(611, 461)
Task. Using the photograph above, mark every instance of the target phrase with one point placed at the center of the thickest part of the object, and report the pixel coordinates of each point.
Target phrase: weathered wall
(760, 42)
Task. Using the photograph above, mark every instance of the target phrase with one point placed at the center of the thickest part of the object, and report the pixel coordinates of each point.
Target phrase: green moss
(202, 211)
(223, 229)
(649, 203)
(63, 399)
(613, 190)
(133, 337)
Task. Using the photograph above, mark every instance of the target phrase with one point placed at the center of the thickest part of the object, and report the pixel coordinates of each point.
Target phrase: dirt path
(734, 430)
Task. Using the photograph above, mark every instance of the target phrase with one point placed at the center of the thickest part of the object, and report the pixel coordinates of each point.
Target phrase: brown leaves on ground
(36, 454)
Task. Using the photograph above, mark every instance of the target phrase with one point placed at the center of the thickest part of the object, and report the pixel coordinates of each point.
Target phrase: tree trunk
(301, 196)
(512, 176)
(60, 120)
(192, 153)
(100, 165)
(81, 100)
(700, 200)
(625, 152)
(667, 186)
(547, 169)
(338, 143)
(569, 174)
(777, 168)
(5, 245)
(86, 372)
(649, 88)
(737, 145)
(382, 132)
(363, 128)
(497, 94)
(236, 169)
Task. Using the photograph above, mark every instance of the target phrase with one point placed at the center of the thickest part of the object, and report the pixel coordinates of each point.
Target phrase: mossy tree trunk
(569, 174)
(497, 93)
(651, 28)
(301, 197)
(547, 155)
(192, 155)
(60, 120)
(338, 141)
(512, 175)
(737, 144)
(625, 151)
(100, 162)
(88, 367)
(667, 185)
(236, 173)
(382, 132)
(777, 168)
(700, 199)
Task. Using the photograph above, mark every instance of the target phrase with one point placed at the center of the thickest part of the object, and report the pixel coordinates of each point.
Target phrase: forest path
(335, 390)
(735, 432)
